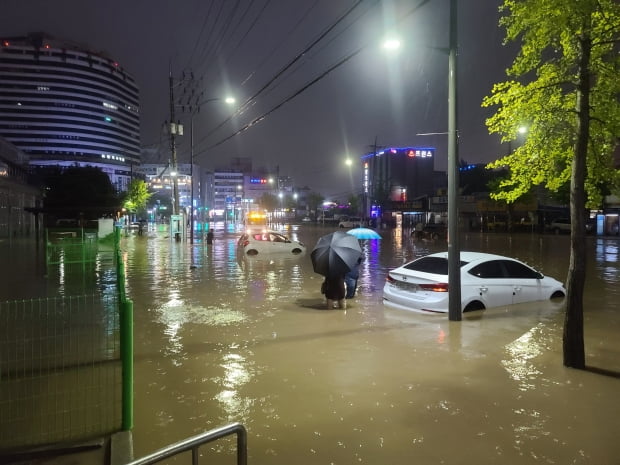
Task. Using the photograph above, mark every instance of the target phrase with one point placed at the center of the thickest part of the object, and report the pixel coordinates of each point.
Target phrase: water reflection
(222, 338)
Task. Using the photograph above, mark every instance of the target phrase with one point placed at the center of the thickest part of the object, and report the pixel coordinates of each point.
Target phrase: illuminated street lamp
(521, 130)
(280, 196)
(391, 44)
(240, 191)
(194, 110)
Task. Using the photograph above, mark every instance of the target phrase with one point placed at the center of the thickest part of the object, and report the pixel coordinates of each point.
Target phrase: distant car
(560, 225)
(306, 219)
(67, 223)
(350, 222)
(435, 231)
(487, 280)
(256, 242)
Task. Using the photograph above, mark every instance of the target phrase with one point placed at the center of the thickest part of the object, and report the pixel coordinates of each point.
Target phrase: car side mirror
(539, 275)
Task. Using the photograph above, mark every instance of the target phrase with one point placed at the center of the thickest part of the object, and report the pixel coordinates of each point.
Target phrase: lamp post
(193, 111)
(240, 208)
(280, 195)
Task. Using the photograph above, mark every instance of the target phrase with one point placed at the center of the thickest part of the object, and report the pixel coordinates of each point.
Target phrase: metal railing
(194, 442)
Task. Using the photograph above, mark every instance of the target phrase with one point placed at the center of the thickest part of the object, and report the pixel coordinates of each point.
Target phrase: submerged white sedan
(487, 280)
(254, 242)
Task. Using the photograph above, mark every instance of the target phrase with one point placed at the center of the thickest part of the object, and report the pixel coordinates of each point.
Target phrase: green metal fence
(65, 246)
(66, 365)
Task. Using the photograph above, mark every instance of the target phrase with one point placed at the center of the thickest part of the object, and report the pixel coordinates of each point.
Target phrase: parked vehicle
(350, 222)
(487, 280)
(562, 226)
(435, 231)
(255, 242)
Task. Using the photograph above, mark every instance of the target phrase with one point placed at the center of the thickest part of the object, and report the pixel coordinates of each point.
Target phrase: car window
(492, 270)
(436, 265)
(277, 238)
(518, 270)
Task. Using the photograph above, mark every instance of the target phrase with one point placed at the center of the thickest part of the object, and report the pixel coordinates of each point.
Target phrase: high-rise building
(62, 104)
(396, 176)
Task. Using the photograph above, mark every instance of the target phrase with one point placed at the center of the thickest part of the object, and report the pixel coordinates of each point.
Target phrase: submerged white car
(487, 280)
(256, 242)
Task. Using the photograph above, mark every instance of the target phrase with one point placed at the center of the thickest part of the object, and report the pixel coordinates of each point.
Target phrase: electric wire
(202, 29)
(304, 88)
(281, 71)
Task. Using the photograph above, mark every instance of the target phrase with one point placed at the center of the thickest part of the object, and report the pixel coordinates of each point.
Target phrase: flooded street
(222, 340)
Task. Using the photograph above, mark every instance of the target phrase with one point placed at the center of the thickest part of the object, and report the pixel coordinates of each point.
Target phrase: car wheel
(252, 252)
(296, 251)
(557, 295)
(472, 306)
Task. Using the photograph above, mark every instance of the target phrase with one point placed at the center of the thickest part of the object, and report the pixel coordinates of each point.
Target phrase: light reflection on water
(246, 340)
(221, 338)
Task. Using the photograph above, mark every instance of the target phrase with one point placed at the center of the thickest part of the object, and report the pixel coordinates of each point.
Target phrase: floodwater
(220, 339)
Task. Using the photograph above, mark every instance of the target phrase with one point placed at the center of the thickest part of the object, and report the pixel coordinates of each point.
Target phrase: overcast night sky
(239, 47)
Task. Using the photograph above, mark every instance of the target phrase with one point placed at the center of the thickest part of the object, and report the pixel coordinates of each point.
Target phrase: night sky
(240, 47)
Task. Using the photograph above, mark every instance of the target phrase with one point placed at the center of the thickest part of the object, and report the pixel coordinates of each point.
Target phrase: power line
(282, 70)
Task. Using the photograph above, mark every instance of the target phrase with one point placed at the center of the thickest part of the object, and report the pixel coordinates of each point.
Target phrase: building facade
(62, 104)
(18, 199)
(395, 178)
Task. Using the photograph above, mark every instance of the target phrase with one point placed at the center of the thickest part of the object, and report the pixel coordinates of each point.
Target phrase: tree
(354, 204)
(137, 196)
(314, 200)
(79, 192)
(268, 202)
(565, 88)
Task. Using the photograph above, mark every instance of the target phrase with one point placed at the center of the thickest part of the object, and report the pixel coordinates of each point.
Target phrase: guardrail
(194, 442)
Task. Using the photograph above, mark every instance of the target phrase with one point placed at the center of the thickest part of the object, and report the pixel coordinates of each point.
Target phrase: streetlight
(194, 110)
(240, 190)
(391, 44)
(280, 195)
(521, 130)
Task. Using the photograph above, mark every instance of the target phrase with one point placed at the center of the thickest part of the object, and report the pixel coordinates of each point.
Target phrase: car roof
(263, 231)
(471, 257)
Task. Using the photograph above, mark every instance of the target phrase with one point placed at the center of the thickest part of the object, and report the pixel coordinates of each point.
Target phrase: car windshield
(435, 265)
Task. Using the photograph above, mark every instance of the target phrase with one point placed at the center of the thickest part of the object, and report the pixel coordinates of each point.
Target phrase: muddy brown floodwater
(220, 339)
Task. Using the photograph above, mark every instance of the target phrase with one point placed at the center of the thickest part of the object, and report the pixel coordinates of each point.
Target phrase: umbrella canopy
(364, 233)
(335, 254)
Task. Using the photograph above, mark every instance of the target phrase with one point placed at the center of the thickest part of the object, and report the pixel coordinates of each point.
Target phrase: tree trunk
(573, 344)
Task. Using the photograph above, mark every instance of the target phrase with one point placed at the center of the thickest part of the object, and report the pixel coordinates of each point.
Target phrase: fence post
(126, 333)
(125, 308)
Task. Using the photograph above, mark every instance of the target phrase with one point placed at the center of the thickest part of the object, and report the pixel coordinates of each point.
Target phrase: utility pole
(454, 253)
(173, 151)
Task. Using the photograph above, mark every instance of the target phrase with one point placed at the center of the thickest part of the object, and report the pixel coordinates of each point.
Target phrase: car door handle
(484, 289)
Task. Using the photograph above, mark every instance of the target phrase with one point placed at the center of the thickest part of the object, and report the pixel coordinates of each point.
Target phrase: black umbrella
(335, 254)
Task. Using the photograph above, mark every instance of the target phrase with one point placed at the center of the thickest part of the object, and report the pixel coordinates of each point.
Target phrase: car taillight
(389, 279)
(246, 242)
(435, 287)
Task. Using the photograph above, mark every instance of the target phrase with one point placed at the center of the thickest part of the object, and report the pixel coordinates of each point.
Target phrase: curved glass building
(63, 104)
